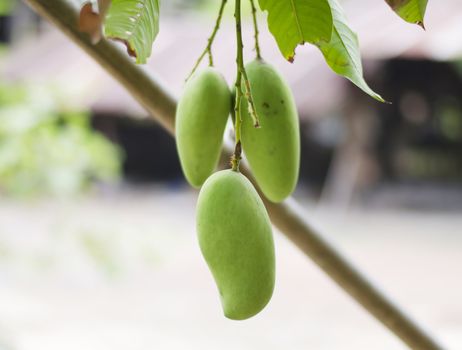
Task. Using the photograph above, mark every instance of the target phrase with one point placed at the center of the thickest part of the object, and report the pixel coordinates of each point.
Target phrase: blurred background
(97, 233)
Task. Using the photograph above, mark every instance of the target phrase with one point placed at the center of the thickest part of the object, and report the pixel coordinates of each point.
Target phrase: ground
(123, 270)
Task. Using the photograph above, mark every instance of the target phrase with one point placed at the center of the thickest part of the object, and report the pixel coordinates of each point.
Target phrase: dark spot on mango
(279, 136)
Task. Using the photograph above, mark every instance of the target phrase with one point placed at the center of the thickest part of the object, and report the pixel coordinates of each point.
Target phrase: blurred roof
(317, 90)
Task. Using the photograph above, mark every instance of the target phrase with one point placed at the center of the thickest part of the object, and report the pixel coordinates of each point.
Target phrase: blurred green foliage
(46, 148)
(6, 7)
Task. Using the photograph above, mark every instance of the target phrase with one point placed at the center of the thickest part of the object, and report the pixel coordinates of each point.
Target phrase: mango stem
(208, 48)
(236, 158)
(255, 26)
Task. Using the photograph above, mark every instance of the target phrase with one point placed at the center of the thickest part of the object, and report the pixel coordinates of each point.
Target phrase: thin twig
(236, 158)
(208, 48)
(255, 26)
(248, 92)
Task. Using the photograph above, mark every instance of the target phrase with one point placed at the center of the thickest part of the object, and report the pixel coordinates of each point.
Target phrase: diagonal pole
(161, 105)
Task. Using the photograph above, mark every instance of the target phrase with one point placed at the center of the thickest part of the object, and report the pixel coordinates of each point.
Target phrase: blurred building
(351, 143)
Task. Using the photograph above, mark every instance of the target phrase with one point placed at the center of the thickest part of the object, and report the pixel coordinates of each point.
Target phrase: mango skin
(236, 240)
(273, 151)
(200, 122)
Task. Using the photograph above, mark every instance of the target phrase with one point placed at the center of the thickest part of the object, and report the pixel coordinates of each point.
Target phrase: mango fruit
(236, 240)
(200, 122)
(273, 150)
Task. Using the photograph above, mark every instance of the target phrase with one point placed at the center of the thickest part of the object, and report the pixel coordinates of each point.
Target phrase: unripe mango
(201, 118)
(236, 240)
(273, 151)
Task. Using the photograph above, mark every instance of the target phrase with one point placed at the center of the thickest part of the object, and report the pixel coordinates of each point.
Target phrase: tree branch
(161, 104)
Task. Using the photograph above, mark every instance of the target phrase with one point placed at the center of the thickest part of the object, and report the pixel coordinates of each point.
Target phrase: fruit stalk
(208, 48)
(250, 101)
(236, 158)
(255, 26)
(241, 74)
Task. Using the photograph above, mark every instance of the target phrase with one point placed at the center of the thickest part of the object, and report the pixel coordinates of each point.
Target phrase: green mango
(236, 240)
(200, 121)
(273, 150)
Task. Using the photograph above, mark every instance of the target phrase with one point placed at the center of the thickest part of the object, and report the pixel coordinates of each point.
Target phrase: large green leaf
(134, 22)
(342, 51)
(294, 22)
(412, 11)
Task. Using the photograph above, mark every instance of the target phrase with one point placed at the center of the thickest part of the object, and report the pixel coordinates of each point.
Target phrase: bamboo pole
(161, 105)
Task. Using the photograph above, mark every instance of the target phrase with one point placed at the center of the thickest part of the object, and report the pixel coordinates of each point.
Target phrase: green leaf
(412, 11)
(342, 51)
(294, 22)
(134, 22)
